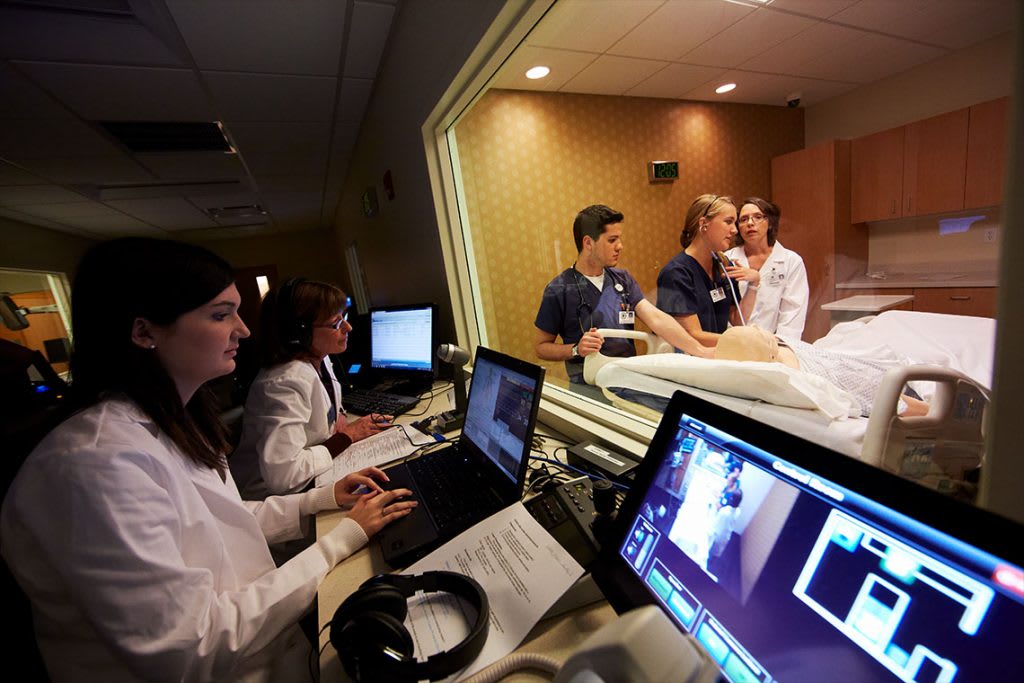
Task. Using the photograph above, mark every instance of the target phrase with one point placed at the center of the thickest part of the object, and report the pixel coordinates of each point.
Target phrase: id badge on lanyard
(627, 317)
(717, 294)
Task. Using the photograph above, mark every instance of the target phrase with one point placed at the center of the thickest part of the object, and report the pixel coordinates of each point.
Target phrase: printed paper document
(523, 569)
(377, 450)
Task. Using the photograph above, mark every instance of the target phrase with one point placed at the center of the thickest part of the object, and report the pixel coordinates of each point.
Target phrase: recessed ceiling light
(538, 72)
(722, 89)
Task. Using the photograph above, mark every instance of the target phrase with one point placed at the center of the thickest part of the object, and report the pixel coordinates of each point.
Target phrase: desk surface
(555, 637)
(868, 303)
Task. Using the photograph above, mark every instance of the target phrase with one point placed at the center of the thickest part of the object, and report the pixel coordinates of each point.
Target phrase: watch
(575, 350)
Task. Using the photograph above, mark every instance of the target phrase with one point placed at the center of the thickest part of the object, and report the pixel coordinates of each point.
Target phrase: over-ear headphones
(371, 639)
(294, 333)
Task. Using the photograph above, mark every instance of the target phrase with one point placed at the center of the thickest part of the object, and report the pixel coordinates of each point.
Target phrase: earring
(152, 346)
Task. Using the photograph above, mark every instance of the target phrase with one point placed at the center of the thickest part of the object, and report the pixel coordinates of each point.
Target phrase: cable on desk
(591, 475)
(433, 395)
(514, 662)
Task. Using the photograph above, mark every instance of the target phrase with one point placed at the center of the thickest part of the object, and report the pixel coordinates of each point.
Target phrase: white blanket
(962, 343)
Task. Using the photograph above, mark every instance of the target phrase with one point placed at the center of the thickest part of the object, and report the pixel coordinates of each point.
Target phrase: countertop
(922, 280)
(868, 303)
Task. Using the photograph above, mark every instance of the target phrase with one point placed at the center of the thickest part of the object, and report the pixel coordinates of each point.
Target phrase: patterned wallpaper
(530, 161)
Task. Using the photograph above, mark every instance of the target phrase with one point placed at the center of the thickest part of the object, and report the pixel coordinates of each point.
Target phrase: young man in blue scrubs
(594, 294)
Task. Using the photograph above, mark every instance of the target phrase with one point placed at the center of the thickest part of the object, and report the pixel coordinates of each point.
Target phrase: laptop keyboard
(437, 477)
(366, 401)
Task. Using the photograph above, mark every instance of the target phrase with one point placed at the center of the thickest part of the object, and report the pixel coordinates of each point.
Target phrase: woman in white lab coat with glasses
(124, 526)
(775, 275)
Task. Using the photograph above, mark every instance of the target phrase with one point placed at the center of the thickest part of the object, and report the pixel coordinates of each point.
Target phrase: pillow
(773, 383)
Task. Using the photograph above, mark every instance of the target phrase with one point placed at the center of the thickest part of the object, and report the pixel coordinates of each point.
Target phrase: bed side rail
(941, 449)
(595, 361)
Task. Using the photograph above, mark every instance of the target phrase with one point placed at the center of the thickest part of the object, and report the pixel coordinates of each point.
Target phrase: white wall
(400, 247)
(976, 74)
(29, 247)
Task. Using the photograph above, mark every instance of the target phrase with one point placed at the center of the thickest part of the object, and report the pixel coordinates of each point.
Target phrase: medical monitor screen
(782, 573)
(402, 339)
(502, 410)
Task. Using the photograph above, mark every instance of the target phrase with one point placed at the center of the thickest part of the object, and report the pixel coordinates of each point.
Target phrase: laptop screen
(785, 573)
(401, 338)
(500, 412)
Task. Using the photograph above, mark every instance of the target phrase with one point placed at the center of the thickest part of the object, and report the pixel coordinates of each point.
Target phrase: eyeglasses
(753, 218)
(337, 323)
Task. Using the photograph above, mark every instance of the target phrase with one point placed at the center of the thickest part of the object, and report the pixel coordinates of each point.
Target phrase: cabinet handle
(910, 201)
(893, 211)
(960, 298)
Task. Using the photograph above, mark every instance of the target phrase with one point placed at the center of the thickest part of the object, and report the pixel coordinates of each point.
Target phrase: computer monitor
(402, 345)
(789, 562)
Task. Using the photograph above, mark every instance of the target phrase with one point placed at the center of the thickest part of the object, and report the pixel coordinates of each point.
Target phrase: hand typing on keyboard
(367, 425)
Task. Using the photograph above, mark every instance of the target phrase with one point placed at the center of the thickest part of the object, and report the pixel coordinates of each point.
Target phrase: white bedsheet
(962, 343)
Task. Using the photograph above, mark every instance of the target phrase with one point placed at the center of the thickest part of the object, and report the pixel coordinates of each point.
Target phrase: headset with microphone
(371, 639)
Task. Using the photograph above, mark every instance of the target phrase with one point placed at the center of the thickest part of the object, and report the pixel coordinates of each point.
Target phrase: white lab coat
(141, 564)
(285, 422)
(781, 304)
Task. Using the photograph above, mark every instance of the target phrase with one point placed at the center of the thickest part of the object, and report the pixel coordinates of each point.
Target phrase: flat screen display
(402, 339)
(802, 571)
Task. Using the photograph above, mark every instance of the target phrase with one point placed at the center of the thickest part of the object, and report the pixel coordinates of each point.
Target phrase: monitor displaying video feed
(789, 562)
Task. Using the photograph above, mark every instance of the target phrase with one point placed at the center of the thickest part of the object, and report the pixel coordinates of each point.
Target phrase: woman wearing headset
(124, 525)
(779, 288)
(294, 426)
(695, 286)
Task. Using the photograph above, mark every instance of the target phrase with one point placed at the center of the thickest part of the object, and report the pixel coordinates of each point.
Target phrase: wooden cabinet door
(876, 176)
(935, 164)
(986, 154)
(804, 186)
(977, 301)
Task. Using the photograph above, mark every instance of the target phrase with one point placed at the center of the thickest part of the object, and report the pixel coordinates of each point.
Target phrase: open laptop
(484, 472)
(785, 561)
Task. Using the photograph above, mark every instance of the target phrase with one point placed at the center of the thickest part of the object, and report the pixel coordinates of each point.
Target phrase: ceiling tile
(37, 194)
(792, 56)
(771, 89)
(124, 93)
(564, 65)
(371, 24)
(36, 139)
(20, 98)
(283, 148)
(68, 210)
(952, 24)
(269, 184)
(612, 75)
(268, 97)
(355, 95)
(168, 213)
(92, 170)
(194, 166)
(822, 9)
(114, 225)
(263, 36)
(12, 175)
(869, 58)
(678, 27)
(589, 26)
(750, 36)
(675, 80)
(58, 37)
(41, 222)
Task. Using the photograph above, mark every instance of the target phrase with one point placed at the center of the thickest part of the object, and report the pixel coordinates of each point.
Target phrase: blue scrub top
(684, 288)
(563, 314)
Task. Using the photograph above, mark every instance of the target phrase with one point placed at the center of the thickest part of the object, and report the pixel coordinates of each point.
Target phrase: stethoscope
(616, 285)
(721, 264)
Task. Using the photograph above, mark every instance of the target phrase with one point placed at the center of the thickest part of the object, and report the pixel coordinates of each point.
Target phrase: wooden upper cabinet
(986, 154)
(876, 176)
(935, 164)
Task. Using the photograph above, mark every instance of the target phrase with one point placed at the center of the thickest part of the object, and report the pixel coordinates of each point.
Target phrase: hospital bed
(946, 359)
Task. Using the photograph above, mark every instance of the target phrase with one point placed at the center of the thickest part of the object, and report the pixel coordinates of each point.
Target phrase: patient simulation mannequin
(859, 376)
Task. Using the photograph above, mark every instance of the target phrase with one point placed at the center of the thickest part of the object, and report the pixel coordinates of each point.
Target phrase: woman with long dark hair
(124, 525)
